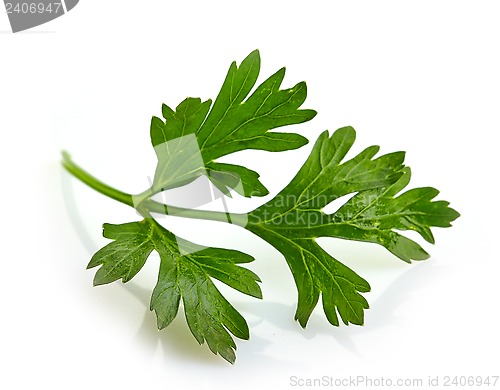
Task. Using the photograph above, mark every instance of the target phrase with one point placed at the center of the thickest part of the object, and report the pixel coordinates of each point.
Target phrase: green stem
(143, 203)
(160, 208)
(94, 183)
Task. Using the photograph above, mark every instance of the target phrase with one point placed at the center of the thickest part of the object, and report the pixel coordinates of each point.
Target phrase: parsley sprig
(189, 140)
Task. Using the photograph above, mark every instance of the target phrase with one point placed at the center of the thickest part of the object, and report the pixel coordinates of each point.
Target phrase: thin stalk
(160, 208)
(145, 205)
(94, 183)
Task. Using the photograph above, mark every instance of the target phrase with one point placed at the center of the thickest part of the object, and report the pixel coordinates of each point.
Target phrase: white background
(416, 76)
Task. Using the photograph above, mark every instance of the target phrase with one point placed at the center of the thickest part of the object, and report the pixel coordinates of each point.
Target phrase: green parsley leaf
(126, 255)
(235, 122)
(373, 216)
(294, 219)
(185, 272)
